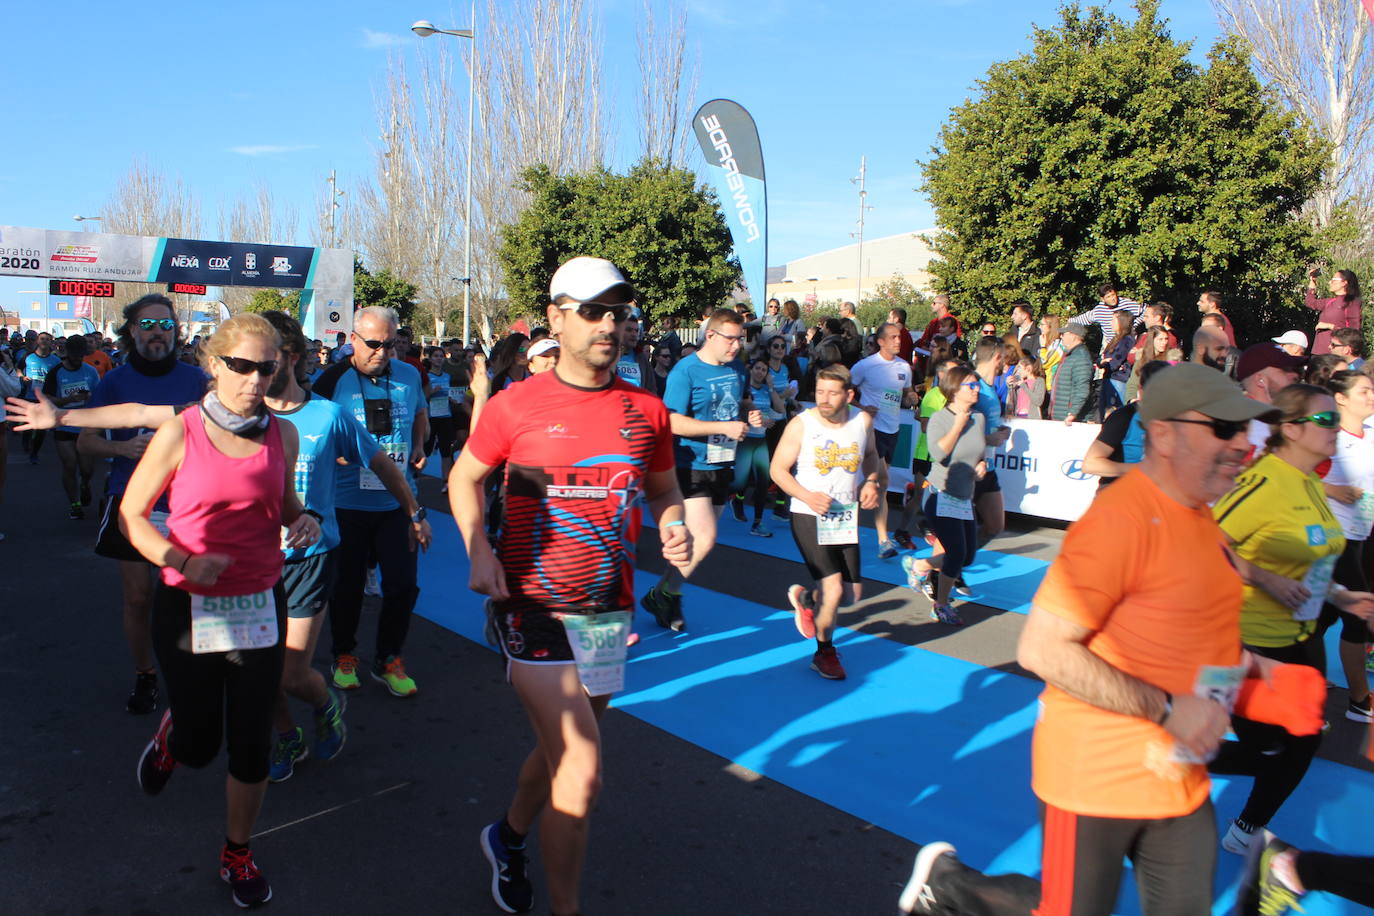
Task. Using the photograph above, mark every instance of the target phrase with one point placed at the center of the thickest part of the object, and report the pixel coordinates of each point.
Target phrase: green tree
(655, 223)
(1104, 154)
(894, 293)
(383, 289)
(270, 300)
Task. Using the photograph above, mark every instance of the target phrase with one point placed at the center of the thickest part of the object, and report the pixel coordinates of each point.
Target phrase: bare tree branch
(668, 86)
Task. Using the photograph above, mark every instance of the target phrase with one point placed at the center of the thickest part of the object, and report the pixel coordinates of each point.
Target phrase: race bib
(839, 526)
(1317, 580)
(367, 480)
(1220, 683)
(947, 506)
(1364, 508)
(438, 406)
(891, 403)
(598, 645)
(720, 449)
(224, 623)
(457, 393)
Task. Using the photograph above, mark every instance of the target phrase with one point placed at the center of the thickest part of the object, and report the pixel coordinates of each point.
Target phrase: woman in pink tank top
(219, 609)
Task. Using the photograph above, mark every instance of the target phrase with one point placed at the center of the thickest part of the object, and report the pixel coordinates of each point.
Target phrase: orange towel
(1295, 701)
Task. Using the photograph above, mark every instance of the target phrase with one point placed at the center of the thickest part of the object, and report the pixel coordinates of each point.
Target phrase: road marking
(309, 817)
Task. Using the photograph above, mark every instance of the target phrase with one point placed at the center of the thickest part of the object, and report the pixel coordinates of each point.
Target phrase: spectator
(1321, 368)
(949, 330)
(1154, 345)
(1210, 347)
(1342, 310)
(1109, 302)
(1115, 363)
(1160, 315)
(1051, 348)
(1012, 354)
(1263, 371)
(792, 324)
(898, 317)
(940, 310)
(1292, 342)
(1209, 304)
(1349, 343)
(1026, 389)
(1027, 334)
(1073, 381)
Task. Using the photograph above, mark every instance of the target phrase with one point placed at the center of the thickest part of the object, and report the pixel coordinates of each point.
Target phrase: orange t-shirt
(1150, 577)
(100, 360)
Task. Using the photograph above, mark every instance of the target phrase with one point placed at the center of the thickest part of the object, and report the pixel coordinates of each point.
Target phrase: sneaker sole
(1354, 716)
(224, 876)
(392, 690)
(495, 871)
(138, 770)
(677, 625)
(829, 677)
(920, 874)
(798, 612)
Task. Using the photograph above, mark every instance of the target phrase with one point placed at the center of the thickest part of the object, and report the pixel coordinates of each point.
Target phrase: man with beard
(387, 396)
(1210, 347)
(152, 375)
(829, 462)
(581, 448)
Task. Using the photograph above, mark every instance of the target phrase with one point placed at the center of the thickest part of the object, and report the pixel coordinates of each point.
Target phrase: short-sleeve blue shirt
(698, 389)
(327, 432)
(184, 384)
(358, 487)
(63, 383)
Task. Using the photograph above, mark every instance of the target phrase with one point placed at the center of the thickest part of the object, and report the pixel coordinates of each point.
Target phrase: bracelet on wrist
(184, 560)
(676, 521)
(1168, 708)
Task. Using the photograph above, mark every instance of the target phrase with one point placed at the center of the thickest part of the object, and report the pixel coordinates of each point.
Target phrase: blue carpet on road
(923, 745)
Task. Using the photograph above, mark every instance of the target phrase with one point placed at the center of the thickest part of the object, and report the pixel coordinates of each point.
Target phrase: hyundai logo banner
(730, 142)
(233, 264)
(1040, 469)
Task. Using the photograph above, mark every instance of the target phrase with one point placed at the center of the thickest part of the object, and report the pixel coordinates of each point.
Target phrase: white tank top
(831, 460)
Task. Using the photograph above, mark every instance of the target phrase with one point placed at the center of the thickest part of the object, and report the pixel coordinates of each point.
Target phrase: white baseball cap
(542, 346)
(1291, 337)
(584, 279)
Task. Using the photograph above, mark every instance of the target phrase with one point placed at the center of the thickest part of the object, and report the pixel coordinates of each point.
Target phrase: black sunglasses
(241, 366)
(377, 344)
(597, 311)
(148, 324)
(1222, 429)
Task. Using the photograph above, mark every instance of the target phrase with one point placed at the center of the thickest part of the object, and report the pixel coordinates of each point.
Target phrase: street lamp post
(87, 219)
(424, 28)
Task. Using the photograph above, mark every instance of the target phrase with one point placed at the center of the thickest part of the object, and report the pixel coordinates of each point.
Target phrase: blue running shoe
(330, 730)
(510, 888)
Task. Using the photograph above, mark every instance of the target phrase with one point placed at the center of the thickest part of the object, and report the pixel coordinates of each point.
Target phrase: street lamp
(83, 219)
(424, 28)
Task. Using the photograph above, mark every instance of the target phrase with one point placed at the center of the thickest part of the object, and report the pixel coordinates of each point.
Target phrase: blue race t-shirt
(629, 369)
(712, 393)
(63, 383)
(358, 487)
(990, 406)
(327, 432)
(440, 384)
(184, 384)
(37, 368)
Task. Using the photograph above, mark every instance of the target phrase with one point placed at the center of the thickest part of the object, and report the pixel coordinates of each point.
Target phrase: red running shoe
(156, 764)
(240, 872)
(803, 610)
(826, 663)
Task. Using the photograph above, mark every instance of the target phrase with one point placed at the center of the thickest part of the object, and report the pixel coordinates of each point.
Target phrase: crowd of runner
(261, 483)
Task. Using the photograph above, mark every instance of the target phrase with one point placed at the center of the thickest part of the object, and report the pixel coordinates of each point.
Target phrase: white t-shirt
(830, 460)
(1353, 465)
(881, 383)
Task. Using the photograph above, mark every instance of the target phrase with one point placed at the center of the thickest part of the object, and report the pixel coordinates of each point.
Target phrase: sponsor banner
(28, 252)
(730, 142)
(233, 264)
(1040, 468)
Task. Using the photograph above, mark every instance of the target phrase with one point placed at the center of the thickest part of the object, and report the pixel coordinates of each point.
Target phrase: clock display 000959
(95, 289)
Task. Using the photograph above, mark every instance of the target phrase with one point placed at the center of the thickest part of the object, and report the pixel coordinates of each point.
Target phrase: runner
(439, 387)
(219, 607)
(882, 386)
(751, 461)
(151, 375)
(68, 384)
(1130, 710)
(839, 469)
(387, 397)
(987, 491)
(36, 366)
(704, 393)
(581, 449)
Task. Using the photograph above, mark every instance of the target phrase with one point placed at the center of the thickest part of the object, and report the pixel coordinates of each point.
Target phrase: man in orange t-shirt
(1136, 633)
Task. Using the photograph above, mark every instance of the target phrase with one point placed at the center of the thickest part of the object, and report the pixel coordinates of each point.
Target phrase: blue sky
(227, 95)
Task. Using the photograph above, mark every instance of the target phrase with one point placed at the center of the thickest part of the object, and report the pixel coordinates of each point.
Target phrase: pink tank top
(230, 506)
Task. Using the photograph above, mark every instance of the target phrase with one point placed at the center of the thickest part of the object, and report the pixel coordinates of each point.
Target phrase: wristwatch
(418, 517)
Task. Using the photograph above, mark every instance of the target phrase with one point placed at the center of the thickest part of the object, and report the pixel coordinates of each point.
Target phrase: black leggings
(1350, 573)
(958, 537)
(218, 695)
(1276, 759)
(1351, 877)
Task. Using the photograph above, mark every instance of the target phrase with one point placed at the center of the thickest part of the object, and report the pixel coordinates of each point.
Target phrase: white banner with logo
(1040, 468)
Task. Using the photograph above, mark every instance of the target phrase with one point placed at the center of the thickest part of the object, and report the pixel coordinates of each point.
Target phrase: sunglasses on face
(1222, 429)
(972, 386)
(1327, 419)
(166, 324)
(595, 312)
(240, 366)
(378, 344)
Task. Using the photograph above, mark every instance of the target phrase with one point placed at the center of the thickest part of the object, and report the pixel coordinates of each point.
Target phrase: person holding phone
(1341, 310)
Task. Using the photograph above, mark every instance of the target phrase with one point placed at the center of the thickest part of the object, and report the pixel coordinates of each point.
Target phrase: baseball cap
(1193, 386)
(1266, 356)
(1075, 328)
(583, 279)
(542, 347)
(1291, 337)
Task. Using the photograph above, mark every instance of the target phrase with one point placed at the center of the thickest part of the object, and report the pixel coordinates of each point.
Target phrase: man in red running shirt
(581, 448)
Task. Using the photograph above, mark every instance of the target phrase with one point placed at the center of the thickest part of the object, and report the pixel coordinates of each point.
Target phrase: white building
(837, 275)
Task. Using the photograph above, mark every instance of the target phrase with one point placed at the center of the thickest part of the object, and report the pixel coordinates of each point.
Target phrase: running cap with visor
(1193, 386)
(1267, 356)
(1298, 338)
(541, 347)
(585, 279)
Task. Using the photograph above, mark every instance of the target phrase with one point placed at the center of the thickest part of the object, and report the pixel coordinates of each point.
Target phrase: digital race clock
(193, 289)
(95, 289)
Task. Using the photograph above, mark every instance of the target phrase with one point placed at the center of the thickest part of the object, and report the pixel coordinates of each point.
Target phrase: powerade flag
(730, 142)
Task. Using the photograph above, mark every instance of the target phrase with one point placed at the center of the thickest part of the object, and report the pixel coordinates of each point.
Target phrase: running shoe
(143, 698)
(665, 608)
(913, 575)
(285, 755)
(510, 888)
(1261, 891)
(903, 540)
(85, 491)
(346, 672)
(156, 764)
(76, 513)
(946, 614)
(803, 610)
(927, 587)
(921, 894)
(1238, 840)
(330, 731)
(238, 870)
(373, 586)
(737, 507)
(392, 673)
(826, 663)
(961, 588)
(1360, 712)
(758, 530)
(781, 509)
(887, 550)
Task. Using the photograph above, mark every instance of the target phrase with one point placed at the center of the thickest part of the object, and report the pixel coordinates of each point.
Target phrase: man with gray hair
(387, 396)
